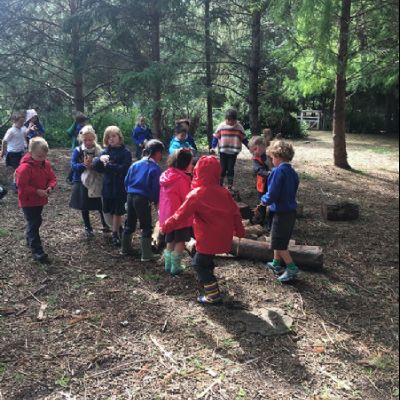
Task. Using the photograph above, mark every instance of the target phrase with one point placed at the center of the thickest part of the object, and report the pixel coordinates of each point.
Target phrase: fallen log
(303, 256)
(267, 239)
(345, 211)
(254, 230)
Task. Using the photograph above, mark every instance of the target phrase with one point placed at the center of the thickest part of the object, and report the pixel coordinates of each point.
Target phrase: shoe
(41, 257)
(276, 269)
(177, 267)
(89, 233)
(168, 261)
(212, 294)
(289, 275)
(127, 249)
(116, 241)
(147, 252)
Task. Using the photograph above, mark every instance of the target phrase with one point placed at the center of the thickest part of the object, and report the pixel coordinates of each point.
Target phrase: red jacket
(32, 175)
(216, 215)
(175, 186)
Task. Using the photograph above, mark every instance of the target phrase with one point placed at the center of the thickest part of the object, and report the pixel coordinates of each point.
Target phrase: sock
(292, 267)
(276, 263)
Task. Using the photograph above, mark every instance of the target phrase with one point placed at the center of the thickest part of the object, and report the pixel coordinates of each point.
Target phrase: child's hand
(49, 190)
(212, 152)
(88, 162)
(42, 193)
(105, 159)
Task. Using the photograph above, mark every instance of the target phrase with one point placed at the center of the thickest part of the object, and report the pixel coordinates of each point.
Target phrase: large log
(303, 256)
(344, 211)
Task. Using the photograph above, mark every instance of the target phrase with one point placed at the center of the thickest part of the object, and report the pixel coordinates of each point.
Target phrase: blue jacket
(177, 144)
(190, 140)
(114, 173)
(77, 165)
(143, 179)
(140, 135)
(283, 184)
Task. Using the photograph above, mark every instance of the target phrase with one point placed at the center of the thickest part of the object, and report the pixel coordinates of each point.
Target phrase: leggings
(228, 163)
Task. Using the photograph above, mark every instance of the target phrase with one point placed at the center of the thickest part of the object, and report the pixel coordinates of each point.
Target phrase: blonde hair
(38, 144)
(256, 141)
(109, 131)
(88, 130)
(281, 149)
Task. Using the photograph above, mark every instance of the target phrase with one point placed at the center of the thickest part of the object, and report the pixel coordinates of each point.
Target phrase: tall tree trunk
(209, 83)
(155, 21)
(339, 112)
(254, 71)
(79, 97)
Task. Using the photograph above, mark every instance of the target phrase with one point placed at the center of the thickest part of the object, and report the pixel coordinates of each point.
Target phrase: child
(88, 184)
(216, 220)
(36, 181)
(140, 135)
(189, 137)
(175, 186)
(180, 139)
(33, 125)
(14, 142)
(81, 120)
(261, 167)
(142, 184)
(114, 163)
(229, 137)
(281, 197)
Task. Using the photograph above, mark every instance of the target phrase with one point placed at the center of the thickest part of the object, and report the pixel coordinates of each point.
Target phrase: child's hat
(153, 146)
(30, 114)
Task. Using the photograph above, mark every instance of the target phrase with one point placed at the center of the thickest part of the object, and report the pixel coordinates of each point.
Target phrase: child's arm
(3, 148)
(76, 165)
(187, 210)
(23, 181)
(274, 189)
(260, 169)
(122, 168)
(155, 186)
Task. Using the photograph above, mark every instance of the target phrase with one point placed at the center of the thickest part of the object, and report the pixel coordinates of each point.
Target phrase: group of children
(190, 195)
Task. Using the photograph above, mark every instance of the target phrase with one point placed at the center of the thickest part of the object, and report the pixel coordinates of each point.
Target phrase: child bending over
(281, 198)
(180, 140)
(35, 181)
(142, 184)
(175, 186)
(216, 220)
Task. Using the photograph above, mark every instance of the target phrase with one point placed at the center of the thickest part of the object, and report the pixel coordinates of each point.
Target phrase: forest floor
(116, 329)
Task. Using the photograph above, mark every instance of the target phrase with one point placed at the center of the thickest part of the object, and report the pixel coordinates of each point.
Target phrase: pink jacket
(175, 186)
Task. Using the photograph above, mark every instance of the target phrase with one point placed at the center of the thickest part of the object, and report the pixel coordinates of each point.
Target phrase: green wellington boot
(168, 261)
(177, 266)
(147, 252)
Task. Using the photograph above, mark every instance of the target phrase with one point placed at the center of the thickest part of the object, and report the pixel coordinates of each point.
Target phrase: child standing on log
(229, 137)
(114, 163)
(36, 181)
(216, 220)
(142, 184)
(175, 186)
(283, 185)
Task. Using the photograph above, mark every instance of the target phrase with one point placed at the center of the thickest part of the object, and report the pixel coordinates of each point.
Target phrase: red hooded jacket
(216, 216)
(32, 175)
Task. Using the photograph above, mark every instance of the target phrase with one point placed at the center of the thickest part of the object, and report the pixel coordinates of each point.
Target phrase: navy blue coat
(114, 173)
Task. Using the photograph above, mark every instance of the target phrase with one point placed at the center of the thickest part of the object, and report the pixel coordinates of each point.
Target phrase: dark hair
(231, 115)
(181, 159)
(80, 117)
(180, 128)
(152, 147)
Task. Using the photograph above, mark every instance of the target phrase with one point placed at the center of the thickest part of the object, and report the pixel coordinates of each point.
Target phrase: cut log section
(345, 211)
(245, 211)
(303, 256)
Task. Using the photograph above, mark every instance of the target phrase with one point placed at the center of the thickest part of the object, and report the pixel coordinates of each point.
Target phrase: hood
(30, 114)
(27, 159)
(207, 172)
(171, 175)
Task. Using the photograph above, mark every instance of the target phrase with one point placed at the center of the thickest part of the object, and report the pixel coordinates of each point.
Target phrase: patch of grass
(386, 151)
(3, 233)
(241, 395)
(3, 368)
(197, 363)
(63, 381)
(229, 343)
(384, 362)
(151, 277)
(304, 176)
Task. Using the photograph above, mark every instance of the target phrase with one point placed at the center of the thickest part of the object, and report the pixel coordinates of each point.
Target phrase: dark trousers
(228, 163)
(139, 152)
(204, 267)
(139, 208)
(33, 217)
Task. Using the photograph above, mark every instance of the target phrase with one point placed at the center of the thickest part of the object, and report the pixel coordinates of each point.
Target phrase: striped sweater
(230, 138)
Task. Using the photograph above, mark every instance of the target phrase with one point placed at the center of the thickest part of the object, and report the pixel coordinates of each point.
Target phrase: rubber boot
(127, 249)
(212, 294)
(168, 261)
(147, 252)
(177, 267)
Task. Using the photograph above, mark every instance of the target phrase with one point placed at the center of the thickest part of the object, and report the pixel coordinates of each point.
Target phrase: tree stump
(344, 211)
(245, 211)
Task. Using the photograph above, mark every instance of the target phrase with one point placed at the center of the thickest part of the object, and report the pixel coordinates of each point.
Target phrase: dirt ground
(117, 329)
